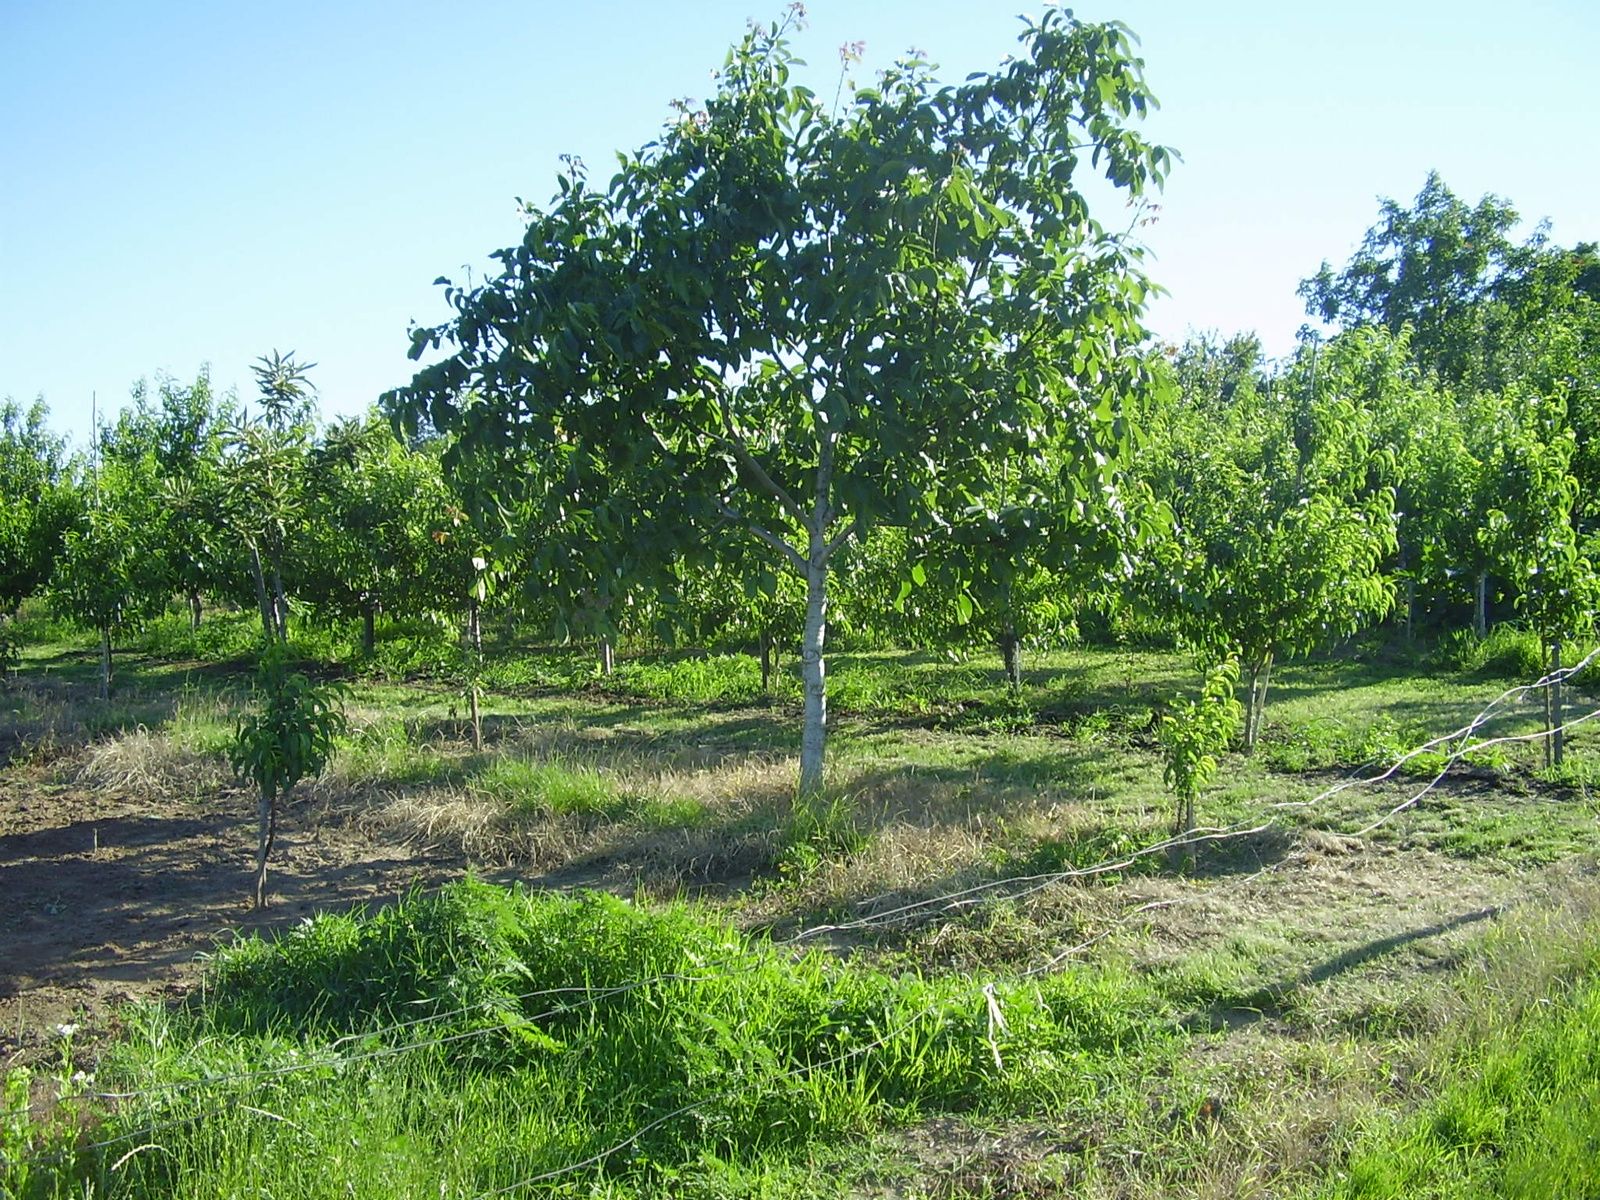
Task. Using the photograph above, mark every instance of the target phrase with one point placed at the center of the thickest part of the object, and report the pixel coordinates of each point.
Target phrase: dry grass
(681, 824)
(41, 721)
(149, 763)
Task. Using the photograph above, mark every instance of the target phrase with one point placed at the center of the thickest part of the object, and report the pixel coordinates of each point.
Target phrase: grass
(1509, 1106)
(729, 1062)
(530, 788)
(1298, 1004)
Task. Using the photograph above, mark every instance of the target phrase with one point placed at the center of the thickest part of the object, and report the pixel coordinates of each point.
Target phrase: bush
(713, 679)
(222, 637)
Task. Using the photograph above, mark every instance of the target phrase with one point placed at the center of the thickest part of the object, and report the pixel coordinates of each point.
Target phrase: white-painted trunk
(1260, 677)
(1557, 739)
(814, 731)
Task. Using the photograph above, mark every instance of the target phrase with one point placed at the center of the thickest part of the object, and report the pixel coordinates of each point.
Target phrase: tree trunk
(766, 662)
(1411, 609)
(194, 609)
(266, 830)
(813, 672)
(280, 602)
(1260, 677)
(475, 626)
(369, 633)
(105, 662)
(1182, 826)
(1480, 606)
(1557, 736)
(477, 716)
(1011, 651)
(608, 655)
(262, 602)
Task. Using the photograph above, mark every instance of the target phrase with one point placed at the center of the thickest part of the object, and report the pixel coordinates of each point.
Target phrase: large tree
(1432, 266)
(803, 321)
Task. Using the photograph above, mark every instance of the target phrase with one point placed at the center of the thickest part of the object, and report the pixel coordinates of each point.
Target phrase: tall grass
(532, 788)
(491, 1036)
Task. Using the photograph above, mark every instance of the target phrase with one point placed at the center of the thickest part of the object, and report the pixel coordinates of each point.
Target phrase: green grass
(1516, 1114)
(386, 751)
(730, 1062)
(679, 774)
(528, 787)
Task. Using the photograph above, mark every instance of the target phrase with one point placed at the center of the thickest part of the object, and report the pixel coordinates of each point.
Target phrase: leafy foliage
(38, 502)
(1191, 735)
(290, 737)
(792, 324)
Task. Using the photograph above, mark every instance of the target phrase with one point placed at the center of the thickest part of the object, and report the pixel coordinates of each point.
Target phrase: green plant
(10, 647)
(1192, 733)
(1507, 651)
(480, 1036)
(681, 394)
(544, 788)
(289, 737)
(818, 828)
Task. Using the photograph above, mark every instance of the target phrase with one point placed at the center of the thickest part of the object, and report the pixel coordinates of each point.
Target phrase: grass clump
(1506, 652)
(717, 679)
(385, 752)
(530, 788)
(482, 1037)
(221, 637)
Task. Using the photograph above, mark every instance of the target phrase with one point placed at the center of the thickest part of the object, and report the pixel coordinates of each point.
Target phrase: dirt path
(106, 896)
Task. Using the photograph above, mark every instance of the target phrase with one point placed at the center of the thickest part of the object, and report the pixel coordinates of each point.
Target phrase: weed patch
(480, 1037)
(529, 788)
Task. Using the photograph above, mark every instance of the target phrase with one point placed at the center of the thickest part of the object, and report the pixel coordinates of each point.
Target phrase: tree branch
(790, 555)
(841, 538)
(742, 454)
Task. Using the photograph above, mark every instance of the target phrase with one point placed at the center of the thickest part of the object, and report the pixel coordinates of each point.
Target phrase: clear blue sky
(188, 183)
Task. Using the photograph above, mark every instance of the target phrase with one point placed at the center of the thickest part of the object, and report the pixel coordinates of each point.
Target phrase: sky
(185, 184)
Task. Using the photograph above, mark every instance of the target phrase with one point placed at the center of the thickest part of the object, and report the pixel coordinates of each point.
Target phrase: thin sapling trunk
(1011, 650)
(267, 832)
(280, 602)
(267, 623)
(105, 662)
(1557, 735)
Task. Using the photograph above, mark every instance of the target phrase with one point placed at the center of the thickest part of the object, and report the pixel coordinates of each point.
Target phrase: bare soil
(108, 896)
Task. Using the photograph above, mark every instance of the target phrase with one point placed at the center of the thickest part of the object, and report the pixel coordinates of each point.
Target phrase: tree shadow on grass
(1277, 1000)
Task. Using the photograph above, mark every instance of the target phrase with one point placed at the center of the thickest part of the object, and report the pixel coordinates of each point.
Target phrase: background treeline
(1434, 465)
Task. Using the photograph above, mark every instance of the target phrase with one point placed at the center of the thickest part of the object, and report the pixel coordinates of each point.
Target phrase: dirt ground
(107, 896)
(114, 893)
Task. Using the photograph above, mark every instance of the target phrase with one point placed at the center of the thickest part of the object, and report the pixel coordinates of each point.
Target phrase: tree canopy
(795, 322)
